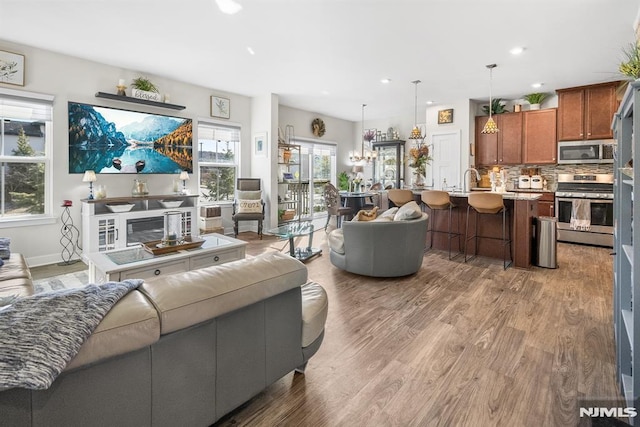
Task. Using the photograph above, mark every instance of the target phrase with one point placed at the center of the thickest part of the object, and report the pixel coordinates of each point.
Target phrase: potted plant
(142, 88)
(343, 181)
(535, 99)
(497, 107)
(630, 67)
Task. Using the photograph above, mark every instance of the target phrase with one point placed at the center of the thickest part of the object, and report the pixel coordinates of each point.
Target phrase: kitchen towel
(580, 215)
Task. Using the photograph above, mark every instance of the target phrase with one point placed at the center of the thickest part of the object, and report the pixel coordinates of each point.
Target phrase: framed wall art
(445, 116)
(11, 68)
(220, 107)
(260, 144)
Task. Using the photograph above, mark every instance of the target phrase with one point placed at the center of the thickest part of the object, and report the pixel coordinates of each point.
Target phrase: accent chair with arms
(248, 204)
(332, 203)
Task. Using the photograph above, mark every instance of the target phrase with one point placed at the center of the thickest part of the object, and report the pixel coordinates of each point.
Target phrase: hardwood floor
(455, 344)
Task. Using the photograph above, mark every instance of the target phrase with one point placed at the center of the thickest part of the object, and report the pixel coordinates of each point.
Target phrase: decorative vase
(418, 179)
(286, 155)
(534, 107)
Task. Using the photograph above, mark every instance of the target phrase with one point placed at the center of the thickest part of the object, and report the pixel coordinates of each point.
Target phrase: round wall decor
(317, 127)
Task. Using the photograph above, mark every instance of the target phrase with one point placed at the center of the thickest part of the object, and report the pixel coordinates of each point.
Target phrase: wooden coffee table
(136, 263)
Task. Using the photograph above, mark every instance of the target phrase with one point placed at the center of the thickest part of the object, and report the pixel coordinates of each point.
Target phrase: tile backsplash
(550, 172)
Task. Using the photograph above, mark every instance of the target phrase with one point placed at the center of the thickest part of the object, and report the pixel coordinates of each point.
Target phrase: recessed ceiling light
(537, 85)
(325, 92)
(229, 7)
(250, 50)
(385, 81)
(516, 50)
(430, 102)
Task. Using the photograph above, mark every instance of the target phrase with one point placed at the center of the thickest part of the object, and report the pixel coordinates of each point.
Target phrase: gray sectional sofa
(184, 349)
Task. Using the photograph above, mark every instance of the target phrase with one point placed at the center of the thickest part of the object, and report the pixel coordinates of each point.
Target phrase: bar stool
(488, 204)
(399, 196)
(440, 201)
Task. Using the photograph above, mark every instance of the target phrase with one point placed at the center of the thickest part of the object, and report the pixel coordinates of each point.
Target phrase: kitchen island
(522, 211)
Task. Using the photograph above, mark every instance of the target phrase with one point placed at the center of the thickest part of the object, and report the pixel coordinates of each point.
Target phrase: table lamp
(184, 176)
(90, 177)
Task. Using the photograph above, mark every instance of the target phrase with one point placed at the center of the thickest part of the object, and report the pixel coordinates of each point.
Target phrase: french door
(317, 167)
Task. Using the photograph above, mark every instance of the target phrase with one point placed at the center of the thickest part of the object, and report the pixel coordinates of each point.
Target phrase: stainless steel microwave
(575, 152)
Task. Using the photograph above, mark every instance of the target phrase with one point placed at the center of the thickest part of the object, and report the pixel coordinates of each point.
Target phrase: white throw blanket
(580, 215)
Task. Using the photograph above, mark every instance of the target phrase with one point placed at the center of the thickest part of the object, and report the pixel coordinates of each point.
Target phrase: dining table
(355, 199)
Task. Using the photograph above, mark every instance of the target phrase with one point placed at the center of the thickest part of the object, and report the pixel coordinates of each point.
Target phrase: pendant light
(363, 155)
(490, 126)
(416, 132)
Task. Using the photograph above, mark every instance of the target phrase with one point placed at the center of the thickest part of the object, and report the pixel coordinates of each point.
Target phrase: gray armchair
(379, 249)
(248, 193)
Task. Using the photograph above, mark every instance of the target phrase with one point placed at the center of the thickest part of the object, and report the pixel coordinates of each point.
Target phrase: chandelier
(364, 155)
(416, 132)
(490, 126)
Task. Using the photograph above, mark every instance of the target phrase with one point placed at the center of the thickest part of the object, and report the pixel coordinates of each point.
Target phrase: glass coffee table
(292, 230)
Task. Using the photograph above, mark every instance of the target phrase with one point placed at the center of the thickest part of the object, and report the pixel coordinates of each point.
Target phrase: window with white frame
(26, 131)
(218, 147)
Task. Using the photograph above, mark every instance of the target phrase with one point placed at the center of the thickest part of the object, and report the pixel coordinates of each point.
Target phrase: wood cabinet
(539, 137)
(546, 205)
(103, 230)
(586, 112)
(504, 147)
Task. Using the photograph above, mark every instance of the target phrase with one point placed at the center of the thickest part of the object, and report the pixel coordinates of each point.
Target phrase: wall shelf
(626, 279)
(139, 101)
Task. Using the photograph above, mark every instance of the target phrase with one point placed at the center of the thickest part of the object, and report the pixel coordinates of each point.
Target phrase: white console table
(103, 230)
(136, 263)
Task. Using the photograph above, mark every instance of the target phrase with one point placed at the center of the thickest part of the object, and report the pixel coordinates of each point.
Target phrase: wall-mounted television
(112, 140)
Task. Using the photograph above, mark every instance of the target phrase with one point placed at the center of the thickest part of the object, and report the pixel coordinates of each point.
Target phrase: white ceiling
(328, 56)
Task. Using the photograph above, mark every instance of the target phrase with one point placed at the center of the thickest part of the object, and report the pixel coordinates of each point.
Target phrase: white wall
(339, 131)
(462, 120)
(73, 79)
(264, 118)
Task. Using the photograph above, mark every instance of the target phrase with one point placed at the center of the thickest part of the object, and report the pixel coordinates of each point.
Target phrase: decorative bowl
(170, 204)
(120, 207)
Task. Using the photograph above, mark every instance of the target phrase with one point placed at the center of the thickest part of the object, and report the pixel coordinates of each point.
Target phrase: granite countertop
(509, 195)
(515, 190)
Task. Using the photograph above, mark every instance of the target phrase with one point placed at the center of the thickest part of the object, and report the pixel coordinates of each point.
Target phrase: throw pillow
(364, 215)
(5, 251)
(249, 206)
(409, 210)
(389, 213)
(248, 195)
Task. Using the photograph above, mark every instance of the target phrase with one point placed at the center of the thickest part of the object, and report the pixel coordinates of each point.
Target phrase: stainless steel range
(584, 205)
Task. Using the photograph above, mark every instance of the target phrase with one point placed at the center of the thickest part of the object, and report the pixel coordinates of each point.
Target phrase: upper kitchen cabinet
(586, 112)
(502, 148)
(539, 136)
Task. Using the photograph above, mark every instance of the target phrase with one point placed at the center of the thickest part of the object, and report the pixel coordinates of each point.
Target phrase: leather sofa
(384, 247)
(184, 349)
(15, 277)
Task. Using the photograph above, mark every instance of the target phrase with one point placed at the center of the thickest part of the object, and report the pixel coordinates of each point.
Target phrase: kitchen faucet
(464, 177)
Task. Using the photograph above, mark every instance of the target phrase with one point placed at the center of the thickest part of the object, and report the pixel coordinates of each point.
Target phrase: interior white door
(445, 152)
